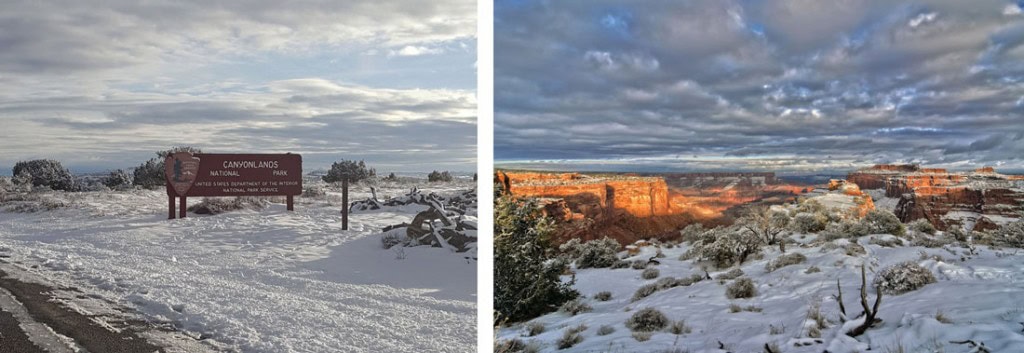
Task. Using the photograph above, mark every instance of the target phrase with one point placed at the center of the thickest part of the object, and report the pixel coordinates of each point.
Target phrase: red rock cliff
(945, 199)
(875, 177)
(639, 196)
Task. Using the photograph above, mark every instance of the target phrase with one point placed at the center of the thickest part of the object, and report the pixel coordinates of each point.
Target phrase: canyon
(629, 206)
(982, 199)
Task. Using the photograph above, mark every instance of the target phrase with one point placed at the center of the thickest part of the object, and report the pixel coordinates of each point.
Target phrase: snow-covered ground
(253, 281)
(979, 297)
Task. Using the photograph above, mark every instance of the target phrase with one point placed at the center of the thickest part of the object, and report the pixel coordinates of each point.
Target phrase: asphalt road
(13, 338)
(21, 323)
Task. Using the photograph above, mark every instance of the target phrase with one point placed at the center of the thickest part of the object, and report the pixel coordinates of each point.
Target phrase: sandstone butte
(973, 200)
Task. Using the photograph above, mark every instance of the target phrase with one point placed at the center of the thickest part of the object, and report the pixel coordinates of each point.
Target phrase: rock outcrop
(844, 196)
(639, 196)
(979, 200)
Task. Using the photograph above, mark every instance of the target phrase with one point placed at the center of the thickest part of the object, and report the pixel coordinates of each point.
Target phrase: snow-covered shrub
(599, 253)
(922, 226)
(351, 170)
(731, 275)
(806, 223)
(1010, 235)
(571, 248)
(811, 206)
(735, 308)
(314, 191)
(725, 247)
(7, 184)
(32, 202)
(605, 330)
(845, 230)
(886, 242)
(436, 176)
(514, 345)
(742, 287)
(620, 264)
(150, 174)
(666, 282)
(639, 264)
(218, 205)
(785, 260)
(679, 327)
(650, 273)
(765, 224)
(524, 285)
(393, 237)
(118, 180)
(691, 232)
(603, 296)
(884, 222)
(642, 336)
(903, 277)
(694, 278)
(535, 328)
(45, 172)
(645, 290)
(957, 234)
(647, 320)
(854, 249)
(932, 242)
(575, 307)
(570, 338)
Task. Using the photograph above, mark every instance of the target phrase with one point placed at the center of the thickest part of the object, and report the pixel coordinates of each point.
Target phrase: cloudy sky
(104, 84)
(797, 85)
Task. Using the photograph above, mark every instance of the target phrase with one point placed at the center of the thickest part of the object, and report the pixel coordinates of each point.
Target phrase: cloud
(797, 82)
(1012, 10)
(410, 50)
(102, 86)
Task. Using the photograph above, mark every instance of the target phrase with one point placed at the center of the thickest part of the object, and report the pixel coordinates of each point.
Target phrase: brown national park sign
(207, 174)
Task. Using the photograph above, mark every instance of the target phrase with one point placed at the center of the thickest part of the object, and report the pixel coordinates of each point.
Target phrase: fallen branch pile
(447, 223)
(461, 203)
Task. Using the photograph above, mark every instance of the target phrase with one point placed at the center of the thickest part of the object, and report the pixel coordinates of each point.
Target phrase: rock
(639, 196)
(969, 199)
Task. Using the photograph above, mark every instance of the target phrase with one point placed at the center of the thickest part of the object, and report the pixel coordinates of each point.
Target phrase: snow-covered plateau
(976, 300)
(262, 280)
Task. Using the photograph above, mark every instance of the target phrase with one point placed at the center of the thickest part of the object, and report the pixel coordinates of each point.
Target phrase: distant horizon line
(7, 172)
(781, 171)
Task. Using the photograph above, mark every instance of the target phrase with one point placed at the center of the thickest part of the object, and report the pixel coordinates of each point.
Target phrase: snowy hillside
(264, 280)
(977, 297)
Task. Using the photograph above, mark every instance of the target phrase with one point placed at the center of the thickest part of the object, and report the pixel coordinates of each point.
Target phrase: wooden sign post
(344, 202)
(206, 174)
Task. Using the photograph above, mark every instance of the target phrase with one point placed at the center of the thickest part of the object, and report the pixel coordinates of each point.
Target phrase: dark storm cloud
(806, 84)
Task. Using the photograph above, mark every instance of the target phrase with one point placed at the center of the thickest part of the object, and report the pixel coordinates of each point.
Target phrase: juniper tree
(526, 284)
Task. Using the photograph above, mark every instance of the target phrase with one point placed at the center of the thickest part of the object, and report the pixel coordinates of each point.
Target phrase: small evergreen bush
(436, 176)
(352, 170)
(45, 172)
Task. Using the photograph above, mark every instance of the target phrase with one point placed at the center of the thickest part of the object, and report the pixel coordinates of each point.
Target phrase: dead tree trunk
(870, 313)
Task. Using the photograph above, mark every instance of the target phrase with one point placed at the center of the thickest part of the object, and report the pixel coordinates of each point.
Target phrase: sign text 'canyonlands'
(232, 175)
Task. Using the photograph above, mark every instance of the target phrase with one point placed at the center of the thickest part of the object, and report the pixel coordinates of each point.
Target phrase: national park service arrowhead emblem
(181, 170)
